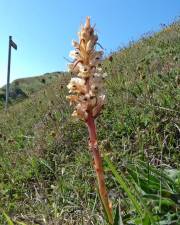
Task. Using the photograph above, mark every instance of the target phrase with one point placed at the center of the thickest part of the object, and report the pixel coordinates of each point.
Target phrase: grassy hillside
(46, 175)
(24, 87)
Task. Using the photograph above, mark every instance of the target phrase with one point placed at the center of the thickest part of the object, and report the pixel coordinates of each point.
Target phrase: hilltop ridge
(22, 88)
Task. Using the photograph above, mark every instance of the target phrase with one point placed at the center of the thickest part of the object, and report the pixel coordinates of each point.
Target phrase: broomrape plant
(88, 98)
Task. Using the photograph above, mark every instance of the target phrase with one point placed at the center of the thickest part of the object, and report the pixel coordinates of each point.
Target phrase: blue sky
(43, 29)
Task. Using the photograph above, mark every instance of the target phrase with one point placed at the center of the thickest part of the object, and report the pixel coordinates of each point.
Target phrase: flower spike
(88, 96)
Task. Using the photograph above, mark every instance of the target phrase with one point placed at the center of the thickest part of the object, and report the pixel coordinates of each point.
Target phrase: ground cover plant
(46, 173)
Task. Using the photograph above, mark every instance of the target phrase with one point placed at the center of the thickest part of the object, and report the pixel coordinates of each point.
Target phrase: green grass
(46, 174)
(24, 87)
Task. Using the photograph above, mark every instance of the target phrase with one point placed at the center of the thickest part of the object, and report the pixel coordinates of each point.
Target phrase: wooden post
(11, 43)
(8, 73)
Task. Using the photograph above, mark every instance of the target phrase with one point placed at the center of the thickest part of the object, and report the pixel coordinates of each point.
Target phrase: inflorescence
(87, 90)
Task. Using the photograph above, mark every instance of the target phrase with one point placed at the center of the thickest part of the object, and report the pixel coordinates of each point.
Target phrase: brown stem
(98, 166)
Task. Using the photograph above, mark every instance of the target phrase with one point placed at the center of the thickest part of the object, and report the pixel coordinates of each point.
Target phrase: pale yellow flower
(81, 111)
(75, 54)
(96, 84)
(84, 71)
(77, 85)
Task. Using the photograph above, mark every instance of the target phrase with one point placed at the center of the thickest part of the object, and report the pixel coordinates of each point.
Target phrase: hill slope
(22, 88)
(45, 168)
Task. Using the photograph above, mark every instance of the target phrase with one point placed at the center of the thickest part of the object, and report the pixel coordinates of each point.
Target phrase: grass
(46, 176)
(24, 87)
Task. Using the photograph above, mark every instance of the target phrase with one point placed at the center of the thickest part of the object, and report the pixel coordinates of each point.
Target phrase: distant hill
(24, 87)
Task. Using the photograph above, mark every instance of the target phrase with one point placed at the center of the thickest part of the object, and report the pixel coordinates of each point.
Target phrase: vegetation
(46, 174)
(24, 87)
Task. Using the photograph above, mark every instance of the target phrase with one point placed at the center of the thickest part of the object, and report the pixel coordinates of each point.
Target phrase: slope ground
(45, 167)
